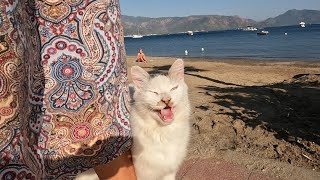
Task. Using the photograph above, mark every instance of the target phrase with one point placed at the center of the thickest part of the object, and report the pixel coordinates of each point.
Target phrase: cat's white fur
(159, 146)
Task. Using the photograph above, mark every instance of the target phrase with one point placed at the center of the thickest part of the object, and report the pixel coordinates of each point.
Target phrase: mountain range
(168, 25)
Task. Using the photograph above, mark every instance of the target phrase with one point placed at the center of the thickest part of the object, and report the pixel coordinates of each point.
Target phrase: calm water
(298, 44)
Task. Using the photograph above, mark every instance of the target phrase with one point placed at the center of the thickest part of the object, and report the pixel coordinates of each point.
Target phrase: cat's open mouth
(166, 114)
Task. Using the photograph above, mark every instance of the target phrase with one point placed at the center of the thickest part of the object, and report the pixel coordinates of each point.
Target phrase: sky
(254, 9)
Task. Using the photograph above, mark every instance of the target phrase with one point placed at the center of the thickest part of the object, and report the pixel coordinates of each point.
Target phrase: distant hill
(169, 25)
(166, 25)
(293, 17)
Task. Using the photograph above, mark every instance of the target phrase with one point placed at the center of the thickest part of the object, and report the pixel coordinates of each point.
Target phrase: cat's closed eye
(154, 92)
(174, 88)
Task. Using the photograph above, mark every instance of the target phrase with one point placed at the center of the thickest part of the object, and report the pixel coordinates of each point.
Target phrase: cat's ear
(139, 76)
(177, 70)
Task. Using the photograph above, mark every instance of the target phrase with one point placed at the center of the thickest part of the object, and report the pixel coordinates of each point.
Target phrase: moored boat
(262, 32)
(137, 36)
(249, 28)
(190, 33)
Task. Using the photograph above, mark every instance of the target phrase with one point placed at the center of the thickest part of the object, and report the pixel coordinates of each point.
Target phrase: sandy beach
(263, 115)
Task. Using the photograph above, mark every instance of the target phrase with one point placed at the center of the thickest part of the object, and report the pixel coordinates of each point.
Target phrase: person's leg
(119, 169)
(144, 58)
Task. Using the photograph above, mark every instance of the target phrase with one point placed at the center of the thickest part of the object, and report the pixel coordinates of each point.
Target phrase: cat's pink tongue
(167, 114)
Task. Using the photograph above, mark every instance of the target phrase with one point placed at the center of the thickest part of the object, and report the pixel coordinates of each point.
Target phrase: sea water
(289, 43)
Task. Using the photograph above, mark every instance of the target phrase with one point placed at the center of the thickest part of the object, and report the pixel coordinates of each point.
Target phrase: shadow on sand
(288, 112)
(290, 108)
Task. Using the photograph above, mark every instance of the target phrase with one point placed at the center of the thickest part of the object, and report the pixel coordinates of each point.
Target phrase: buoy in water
(202, 49)
(285, 33)
(186, 52)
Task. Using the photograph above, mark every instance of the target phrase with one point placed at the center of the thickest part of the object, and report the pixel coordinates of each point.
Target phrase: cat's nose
(166, 100)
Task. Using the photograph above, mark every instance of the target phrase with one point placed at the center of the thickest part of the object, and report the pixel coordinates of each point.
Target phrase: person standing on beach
(64, 102)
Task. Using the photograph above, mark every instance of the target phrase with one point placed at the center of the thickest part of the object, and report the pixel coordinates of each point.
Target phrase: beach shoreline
(259, 114)
(237, 60)
(231, 59)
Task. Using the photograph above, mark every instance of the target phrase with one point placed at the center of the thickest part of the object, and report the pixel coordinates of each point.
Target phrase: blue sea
(299, 44)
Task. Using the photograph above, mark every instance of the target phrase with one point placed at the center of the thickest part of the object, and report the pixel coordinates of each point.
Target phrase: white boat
(190, 33)
(137, 36)
(302, 24)
(263, 32)
(249, 28)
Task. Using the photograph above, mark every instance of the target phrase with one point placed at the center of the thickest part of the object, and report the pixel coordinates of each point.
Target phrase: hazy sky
(254, 9)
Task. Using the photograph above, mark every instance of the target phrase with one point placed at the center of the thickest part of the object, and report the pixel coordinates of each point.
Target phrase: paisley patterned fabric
(63, 87)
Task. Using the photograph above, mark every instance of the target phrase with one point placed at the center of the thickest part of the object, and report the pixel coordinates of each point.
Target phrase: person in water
(141, 57)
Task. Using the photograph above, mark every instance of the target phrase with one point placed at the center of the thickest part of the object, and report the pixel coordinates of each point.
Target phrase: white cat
(160, 122)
